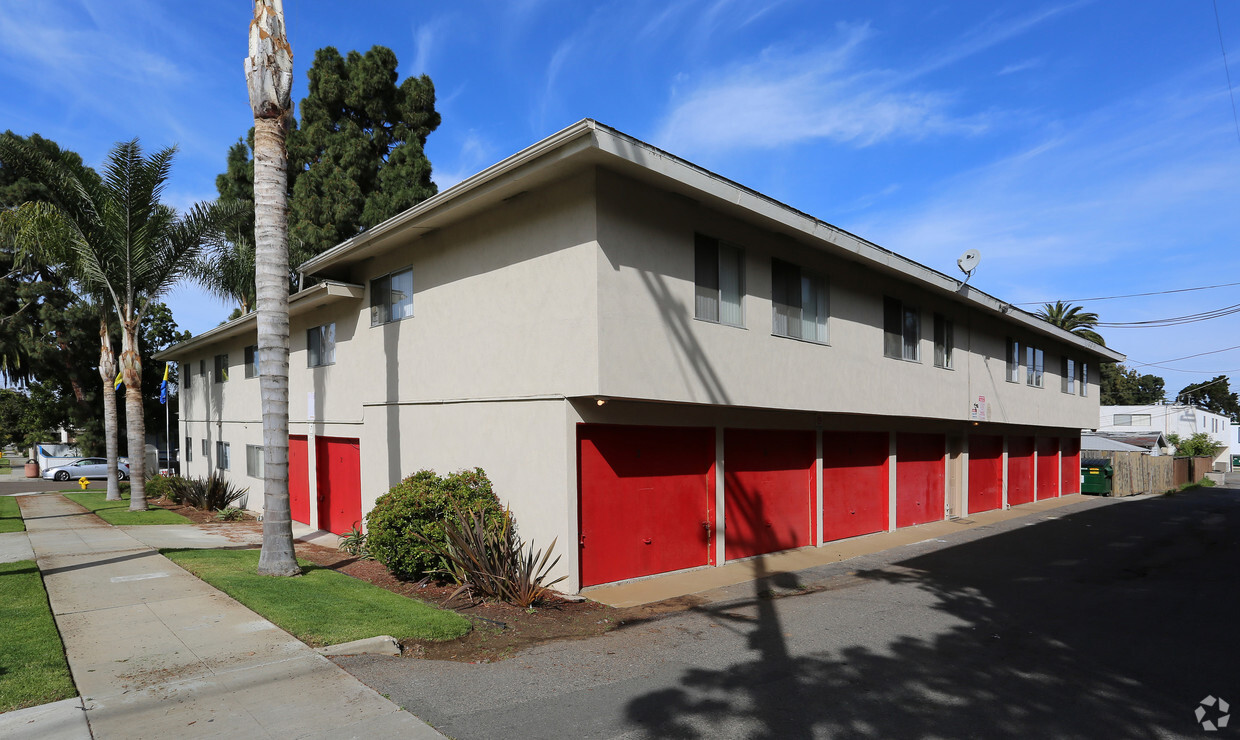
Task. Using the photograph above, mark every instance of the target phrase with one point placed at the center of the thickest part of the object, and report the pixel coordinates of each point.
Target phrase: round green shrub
(421, 504)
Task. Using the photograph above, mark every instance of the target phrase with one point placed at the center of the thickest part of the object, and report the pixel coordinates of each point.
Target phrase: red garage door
(919, 478)
(1048, 467)
(298, 479)
(647, 499)
(1020, 470)
(855, 483)
(985, 473)
(1070, 466)
(769, 491)
(339, 479)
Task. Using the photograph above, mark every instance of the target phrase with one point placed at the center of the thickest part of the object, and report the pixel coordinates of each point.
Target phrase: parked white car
(87, 467)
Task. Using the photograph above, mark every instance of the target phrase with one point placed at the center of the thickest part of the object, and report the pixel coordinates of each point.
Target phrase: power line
(1130, 295)
(1230, 91)
(1173, 321)
(1186, 357)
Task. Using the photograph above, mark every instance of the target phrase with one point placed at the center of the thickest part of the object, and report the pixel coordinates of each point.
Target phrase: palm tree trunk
(135, 420)
(269, 77)
(107, 371)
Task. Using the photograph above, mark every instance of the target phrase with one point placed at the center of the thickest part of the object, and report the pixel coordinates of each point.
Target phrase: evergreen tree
(356, 159)
(1121, 386)
(1212, 395)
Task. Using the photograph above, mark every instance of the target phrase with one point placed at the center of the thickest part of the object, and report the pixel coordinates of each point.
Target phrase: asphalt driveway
(1106, 618)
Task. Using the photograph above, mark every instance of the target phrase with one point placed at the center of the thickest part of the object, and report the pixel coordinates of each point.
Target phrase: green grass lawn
(320, 607)
(33, 670)
(117, 512)
(10, 516)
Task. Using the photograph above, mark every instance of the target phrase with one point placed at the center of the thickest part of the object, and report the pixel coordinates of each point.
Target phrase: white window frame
(1084, 382)
(250, 355)
(381, 304)
(1013, 360)
(718, 281)
(1035, 366)
(317, 339)
(944, 342)
(910, 319)
(254, 461)
(1067, 382)
(805, 311)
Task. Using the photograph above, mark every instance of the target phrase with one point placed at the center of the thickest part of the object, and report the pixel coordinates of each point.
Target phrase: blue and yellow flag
(117, 383)
(163, 387)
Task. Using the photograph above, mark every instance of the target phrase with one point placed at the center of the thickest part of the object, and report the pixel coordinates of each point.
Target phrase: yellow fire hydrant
(83, 482)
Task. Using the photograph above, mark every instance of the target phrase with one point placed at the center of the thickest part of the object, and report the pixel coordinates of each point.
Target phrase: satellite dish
(968, 262)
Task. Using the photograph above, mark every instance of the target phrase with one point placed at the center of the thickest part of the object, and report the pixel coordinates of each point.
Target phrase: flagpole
(167, 440)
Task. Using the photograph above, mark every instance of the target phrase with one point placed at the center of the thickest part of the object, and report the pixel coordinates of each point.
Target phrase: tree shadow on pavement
(1114, 621)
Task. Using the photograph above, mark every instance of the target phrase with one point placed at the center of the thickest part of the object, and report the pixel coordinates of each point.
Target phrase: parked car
(87, 467)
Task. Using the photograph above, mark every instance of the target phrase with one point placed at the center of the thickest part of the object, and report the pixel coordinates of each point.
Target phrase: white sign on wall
(978, 412)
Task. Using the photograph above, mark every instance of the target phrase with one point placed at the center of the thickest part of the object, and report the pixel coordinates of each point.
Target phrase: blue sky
(1085, 148)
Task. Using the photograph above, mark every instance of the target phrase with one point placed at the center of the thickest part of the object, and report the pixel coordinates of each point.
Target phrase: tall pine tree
(357, 155)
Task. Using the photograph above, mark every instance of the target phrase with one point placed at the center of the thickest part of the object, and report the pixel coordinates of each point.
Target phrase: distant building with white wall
(1172, 419)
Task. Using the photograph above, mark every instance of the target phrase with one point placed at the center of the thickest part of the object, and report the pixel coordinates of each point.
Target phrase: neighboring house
(1152, 443)
(658, 367)
(1167, 419)
(1098, 443)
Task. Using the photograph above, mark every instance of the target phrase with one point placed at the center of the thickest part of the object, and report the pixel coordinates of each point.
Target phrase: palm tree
(269, 78)
(227, 272)
(127, 246)
(42, 232)
(1073, 319)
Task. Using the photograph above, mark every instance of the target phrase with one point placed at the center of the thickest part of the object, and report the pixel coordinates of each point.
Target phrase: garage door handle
(647, 540)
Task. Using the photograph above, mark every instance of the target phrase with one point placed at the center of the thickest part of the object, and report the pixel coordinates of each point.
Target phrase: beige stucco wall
(650, 346)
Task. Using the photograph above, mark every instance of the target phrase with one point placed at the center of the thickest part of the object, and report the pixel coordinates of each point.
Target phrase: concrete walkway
(156, 653)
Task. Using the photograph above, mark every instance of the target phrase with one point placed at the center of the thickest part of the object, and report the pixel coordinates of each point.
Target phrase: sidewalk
(157, 653)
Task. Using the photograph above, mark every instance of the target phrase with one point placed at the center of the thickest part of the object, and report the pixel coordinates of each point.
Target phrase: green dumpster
(1096, 474)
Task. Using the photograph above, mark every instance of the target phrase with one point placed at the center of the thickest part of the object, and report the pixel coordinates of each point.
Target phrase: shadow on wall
(1111, 622)
(676, 322)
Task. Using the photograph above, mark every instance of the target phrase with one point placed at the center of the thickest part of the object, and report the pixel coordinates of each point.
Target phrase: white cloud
(1023, 66)
(784, 98)
(472, 156)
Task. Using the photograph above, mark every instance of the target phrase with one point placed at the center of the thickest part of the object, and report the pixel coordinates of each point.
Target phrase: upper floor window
(944, 341)
(186, 373)
(1067, 382)
(321, 345)
(719, 281)
(221, 368)
(1013, 361)
(202, 368)
(391, 297)
(800, 303)
(1034, 359)
(251, 361)
(1084, 380)
(901, 330)
(1131, 420)
(222, 460)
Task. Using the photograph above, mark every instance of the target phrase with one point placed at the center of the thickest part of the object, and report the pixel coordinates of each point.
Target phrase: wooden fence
(1137, 472)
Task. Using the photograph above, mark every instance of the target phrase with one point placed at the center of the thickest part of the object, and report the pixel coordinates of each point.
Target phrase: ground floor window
(221, 455)
(254, 461)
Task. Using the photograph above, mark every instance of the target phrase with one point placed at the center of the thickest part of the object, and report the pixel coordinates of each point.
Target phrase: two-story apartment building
(657, 366)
